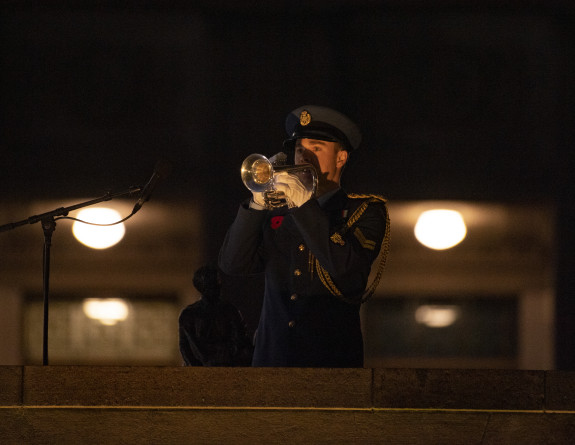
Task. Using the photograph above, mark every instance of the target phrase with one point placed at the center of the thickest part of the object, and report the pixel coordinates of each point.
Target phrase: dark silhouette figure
(212, 331)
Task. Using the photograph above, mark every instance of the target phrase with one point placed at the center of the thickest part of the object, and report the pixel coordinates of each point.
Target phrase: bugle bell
(258, 174)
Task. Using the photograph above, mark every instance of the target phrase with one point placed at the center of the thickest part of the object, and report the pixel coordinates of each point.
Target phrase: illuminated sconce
(440, 229)
(436, 316)
(107, 311)
(98, 237)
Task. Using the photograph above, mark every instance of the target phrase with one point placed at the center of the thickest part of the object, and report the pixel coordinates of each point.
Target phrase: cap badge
(304, 118)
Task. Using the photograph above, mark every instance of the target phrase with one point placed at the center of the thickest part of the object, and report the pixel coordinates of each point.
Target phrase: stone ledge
(275, 425)
(177, 405)
(459, 389)
(190, 386)
(560, 390)
(10, 385)
(445, 389)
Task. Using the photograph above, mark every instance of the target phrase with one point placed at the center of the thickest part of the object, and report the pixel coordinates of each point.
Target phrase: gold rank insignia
(304, 118)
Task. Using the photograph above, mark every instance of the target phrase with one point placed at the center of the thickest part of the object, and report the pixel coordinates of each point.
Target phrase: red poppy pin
(276, 221)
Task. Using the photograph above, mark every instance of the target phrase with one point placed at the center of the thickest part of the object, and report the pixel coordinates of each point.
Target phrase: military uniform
(316, 259)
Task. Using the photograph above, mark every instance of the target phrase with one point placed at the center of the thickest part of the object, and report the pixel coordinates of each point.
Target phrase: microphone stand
(48, 221)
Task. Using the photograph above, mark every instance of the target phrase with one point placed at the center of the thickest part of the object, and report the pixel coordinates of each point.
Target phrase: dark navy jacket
(302, 323)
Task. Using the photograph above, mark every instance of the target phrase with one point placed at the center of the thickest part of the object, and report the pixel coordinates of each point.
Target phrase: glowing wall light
(108, 311)
(436, 316)
(440, 229)
(98, 237)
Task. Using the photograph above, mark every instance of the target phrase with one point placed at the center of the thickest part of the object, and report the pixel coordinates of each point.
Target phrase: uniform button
(297, 272)
(301, 247)
(291, 324)
(293, 297)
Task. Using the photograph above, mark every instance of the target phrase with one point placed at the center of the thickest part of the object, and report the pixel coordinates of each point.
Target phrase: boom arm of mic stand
(63, 211)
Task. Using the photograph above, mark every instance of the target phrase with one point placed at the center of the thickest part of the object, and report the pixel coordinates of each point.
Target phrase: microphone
(161, 171)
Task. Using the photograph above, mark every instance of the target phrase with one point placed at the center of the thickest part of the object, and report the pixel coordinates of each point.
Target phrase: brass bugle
(258, 173)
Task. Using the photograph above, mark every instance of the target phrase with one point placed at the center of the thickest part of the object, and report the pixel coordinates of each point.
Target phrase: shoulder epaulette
(337, 237)
(364, 196)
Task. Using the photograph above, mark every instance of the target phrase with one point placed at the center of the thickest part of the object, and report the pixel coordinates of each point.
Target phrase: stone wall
(81, 404)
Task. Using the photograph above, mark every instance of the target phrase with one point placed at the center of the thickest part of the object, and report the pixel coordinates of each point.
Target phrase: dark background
(470, 102)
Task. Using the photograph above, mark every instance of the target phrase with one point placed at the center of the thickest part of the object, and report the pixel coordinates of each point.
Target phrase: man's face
(326, 156)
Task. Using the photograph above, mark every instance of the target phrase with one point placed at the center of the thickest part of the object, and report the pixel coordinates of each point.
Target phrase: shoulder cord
(337, 238)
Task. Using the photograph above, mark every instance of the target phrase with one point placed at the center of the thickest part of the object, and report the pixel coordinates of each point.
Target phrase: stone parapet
(75, 404)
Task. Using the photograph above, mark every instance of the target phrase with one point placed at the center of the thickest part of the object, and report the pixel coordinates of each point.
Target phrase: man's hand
(258, 199)
(295, 192)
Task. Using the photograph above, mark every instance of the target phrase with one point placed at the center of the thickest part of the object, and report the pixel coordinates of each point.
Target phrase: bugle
(258, 173)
